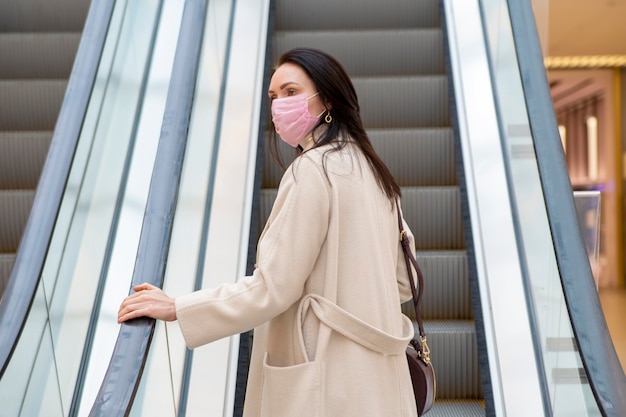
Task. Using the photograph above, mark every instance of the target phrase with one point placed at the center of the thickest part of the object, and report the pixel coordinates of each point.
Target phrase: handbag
(417, 352)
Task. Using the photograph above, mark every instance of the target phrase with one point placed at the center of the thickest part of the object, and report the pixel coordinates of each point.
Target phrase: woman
(325, 295)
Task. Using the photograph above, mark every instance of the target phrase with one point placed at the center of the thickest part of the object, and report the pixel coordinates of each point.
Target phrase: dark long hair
(335, 87)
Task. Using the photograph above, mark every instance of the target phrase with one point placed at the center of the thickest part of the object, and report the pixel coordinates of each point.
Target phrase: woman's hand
(148, 301)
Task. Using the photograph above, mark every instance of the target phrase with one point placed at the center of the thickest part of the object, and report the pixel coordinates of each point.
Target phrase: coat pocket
(290, 391)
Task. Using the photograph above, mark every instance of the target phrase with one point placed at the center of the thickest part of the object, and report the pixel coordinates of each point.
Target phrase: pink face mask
(292, 119)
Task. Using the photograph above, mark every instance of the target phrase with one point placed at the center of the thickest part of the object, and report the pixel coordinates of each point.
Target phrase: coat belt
(356, 329)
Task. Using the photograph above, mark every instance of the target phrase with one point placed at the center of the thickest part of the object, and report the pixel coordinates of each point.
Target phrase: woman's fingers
(144, 286)
(126, 314)
(147, 301)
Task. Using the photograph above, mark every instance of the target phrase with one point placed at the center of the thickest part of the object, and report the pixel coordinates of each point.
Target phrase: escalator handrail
(598, 355)
(26, 274)
(122, 378)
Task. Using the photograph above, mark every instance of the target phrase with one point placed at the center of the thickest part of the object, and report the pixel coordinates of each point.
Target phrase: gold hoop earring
(328, 118)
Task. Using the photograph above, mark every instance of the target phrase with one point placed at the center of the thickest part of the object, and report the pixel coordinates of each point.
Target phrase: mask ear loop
(323, 111)
(328, 117)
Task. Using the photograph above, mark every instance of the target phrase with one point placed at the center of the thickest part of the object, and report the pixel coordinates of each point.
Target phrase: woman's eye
(291, 92)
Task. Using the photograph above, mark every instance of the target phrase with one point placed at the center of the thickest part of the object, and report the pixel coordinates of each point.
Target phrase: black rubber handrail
(600, 361)
(121, 381)
(25, 276)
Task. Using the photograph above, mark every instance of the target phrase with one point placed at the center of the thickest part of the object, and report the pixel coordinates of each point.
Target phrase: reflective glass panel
(569, 394)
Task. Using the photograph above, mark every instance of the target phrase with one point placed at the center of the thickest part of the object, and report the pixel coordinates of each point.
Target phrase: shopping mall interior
(133, 149)
(584, 45)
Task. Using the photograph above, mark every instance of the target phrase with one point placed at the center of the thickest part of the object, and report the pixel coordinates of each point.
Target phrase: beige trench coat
(324, 299)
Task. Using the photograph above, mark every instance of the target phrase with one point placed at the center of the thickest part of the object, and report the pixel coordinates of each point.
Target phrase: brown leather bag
(417, 352)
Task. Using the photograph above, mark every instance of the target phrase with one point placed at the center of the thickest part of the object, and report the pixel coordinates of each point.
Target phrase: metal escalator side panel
(507, 327)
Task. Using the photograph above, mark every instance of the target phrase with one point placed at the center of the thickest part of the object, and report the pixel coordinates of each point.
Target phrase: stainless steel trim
(515, 383)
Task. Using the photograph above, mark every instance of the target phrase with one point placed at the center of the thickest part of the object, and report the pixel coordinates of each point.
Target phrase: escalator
(394, 53)
(38, 42)
(421, 70)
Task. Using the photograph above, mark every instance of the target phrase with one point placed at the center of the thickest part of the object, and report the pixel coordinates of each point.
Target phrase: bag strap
(409, 258)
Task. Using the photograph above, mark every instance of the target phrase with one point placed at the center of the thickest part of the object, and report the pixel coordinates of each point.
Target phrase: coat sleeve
(286, 254)
(402, 273)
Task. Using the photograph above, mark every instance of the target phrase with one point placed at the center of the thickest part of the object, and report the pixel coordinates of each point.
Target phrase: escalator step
(37, 55)
(6, 266)
(22, 155)
(446, 285)
(403, 102)
(454, 354)
(15, 207)
(30, 104)
(43, 16)
(454, 408)
(434, 215)
(333, 14)
(368, 52)
(417, 157)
